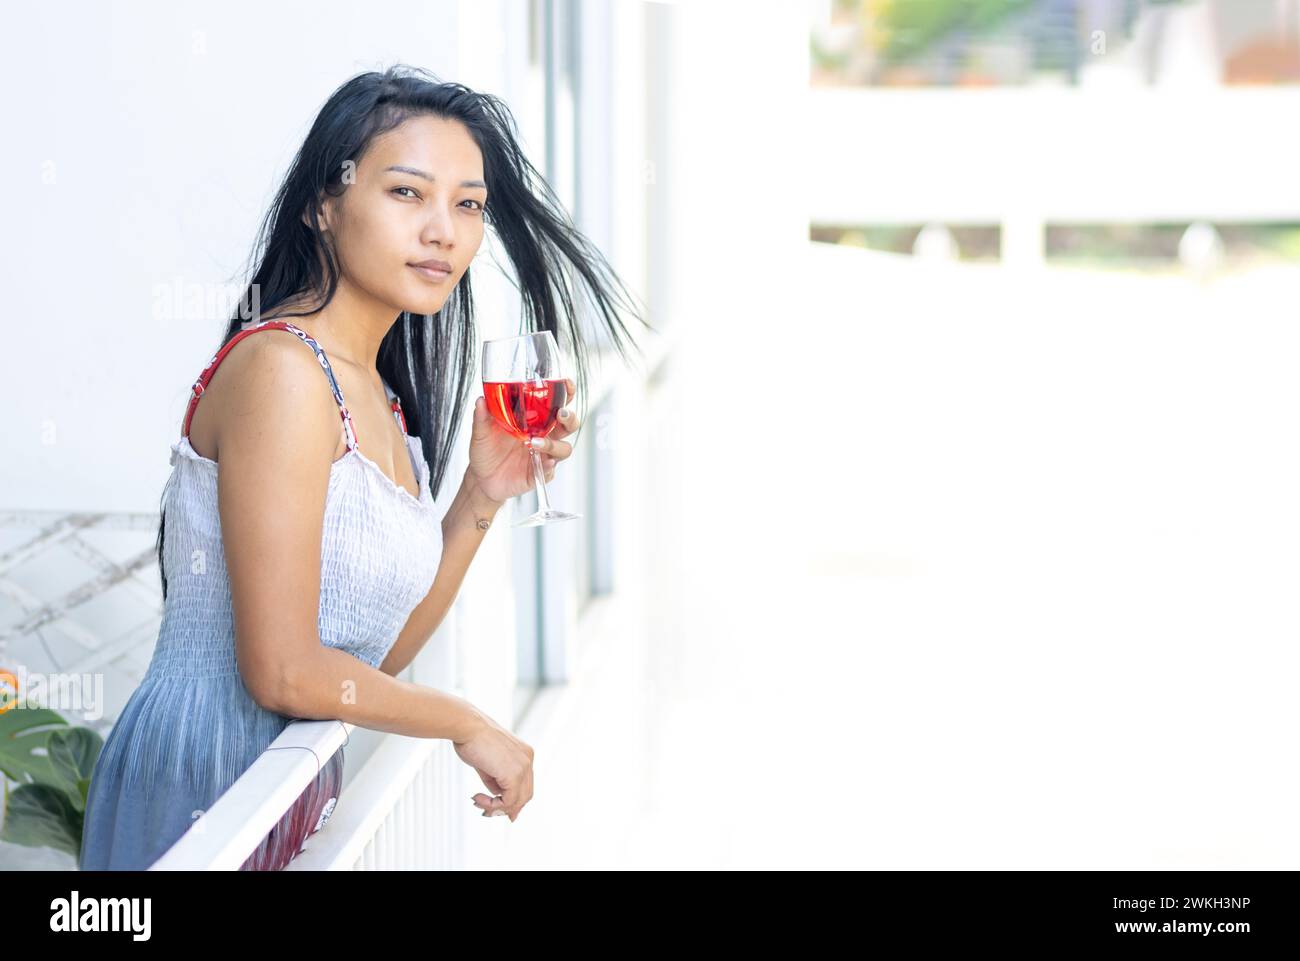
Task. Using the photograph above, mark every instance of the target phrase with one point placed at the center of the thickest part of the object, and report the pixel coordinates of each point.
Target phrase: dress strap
(206, 376)
(395, 403)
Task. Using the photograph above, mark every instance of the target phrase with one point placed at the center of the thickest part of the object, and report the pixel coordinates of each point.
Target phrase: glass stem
(539, 479)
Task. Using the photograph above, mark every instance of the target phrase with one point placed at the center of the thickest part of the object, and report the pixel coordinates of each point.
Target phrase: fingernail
(565, 413)
(538, 443)
(498, 811)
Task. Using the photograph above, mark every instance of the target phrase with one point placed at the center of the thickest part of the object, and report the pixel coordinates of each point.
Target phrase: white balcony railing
(223, 837)
(1023, 158)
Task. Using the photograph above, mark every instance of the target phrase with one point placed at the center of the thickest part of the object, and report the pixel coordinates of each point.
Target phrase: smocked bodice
(380, 549)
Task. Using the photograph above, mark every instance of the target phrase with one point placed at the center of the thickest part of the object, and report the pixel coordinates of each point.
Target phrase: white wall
(145, 143)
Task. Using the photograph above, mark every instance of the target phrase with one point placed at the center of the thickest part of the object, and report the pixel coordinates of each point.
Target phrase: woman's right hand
(505, 765)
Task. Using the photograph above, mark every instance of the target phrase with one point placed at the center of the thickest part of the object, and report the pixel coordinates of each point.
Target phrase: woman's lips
(430, 273)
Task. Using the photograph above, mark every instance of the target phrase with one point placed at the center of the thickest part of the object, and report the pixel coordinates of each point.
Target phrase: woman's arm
(276, 429)
(499, 468)
(463, 527)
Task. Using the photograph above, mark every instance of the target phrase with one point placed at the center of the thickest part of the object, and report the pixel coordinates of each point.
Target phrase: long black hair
(430, 359)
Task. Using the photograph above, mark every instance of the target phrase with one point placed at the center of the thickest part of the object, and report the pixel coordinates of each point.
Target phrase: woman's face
(430, 209)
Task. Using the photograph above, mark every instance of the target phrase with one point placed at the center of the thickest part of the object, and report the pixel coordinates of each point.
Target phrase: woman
(302, 563)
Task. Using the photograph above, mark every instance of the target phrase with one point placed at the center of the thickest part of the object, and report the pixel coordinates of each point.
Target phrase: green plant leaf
(23, 732)
(72, 754)
(42, 816)
(911, 27)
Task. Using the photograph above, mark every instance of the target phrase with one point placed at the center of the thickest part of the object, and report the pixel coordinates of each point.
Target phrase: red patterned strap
(401, 418)
(206, 376)
(395, 404)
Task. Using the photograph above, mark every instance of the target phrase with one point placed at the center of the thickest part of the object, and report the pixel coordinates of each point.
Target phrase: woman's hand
(500, 464)
(504, 764)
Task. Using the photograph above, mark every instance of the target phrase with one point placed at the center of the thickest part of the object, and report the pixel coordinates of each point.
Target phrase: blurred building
(1093, 132)
(1055, 42)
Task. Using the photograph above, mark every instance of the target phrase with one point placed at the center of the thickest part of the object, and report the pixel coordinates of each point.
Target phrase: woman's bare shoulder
(270, 385)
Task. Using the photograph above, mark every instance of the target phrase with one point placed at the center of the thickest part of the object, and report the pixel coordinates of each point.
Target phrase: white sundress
(191, 728)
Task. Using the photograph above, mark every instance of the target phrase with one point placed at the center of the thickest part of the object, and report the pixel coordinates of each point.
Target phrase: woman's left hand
(501, 465)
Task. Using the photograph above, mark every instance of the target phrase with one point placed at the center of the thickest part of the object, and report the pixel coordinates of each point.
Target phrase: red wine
(526, 408)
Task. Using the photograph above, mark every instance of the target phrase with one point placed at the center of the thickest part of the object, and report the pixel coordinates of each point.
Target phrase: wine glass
(525, 390)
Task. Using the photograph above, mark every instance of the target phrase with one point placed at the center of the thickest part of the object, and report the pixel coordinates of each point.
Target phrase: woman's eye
(477, 205)
(395, 189)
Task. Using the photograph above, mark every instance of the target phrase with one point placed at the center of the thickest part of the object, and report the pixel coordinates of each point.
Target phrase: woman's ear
(324, 213)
